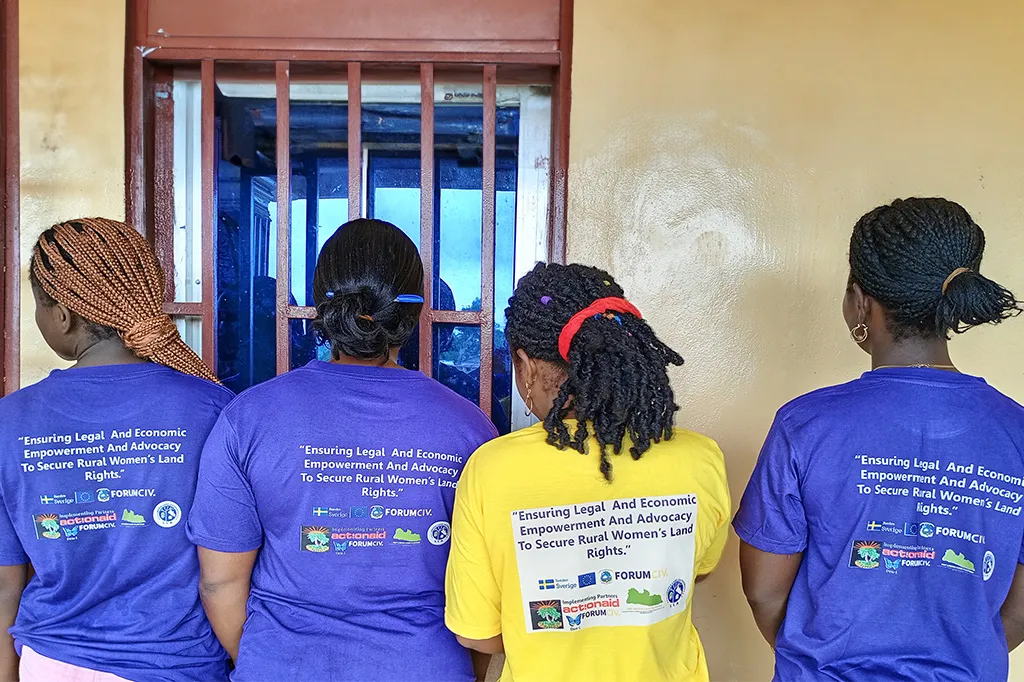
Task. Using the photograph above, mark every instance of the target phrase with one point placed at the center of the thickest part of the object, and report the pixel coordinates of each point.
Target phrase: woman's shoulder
(511, 450)
(696, 449)
(194, 386)
(697, 442)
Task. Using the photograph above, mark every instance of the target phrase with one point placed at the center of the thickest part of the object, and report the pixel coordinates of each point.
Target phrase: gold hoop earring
(529, 400)
(859, 333)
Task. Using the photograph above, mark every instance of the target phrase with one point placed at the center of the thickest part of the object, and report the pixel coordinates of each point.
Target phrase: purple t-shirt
(98, 466)
(344, 478)
(904, 490)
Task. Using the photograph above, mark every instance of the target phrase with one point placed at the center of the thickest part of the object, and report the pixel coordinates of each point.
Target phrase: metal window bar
(355, 139)
(209, 229)
(427, 213)
(284, 203)
(487, 225)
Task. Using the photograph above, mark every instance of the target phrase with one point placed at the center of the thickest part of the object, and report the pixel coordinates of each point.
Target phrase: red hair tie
(598, 307)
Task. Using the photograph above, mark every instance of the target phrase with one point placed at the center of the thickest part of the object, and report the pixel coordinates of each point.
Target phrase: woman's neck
(911, 352)
(391, 362)
(106, 352)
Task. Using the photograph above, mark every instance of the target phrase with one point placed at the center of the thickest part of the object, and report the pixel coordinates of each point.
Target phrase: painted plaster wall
(720, 155)
(72, 131)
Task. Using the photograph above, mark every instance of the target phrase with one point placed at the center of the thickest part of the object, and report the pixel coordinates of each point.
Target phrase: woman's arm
(1013, 611)
(491, 646)
(767, 580)
(12, 584)
(224, 580)
(481, 662)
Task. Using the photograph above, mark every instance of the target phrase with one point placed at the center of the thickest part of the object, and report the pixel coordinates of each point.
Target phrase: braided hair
(106, 273)
(903, 256)
(617, 379)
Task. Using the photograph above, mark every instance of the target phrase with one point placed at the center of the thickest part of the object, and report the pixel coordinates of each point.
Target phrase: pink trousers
(38, 668)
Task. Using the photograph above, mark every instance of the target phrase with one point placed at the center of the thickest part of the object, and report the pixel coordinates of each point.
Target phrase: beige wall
(72, 131)
(721, 152)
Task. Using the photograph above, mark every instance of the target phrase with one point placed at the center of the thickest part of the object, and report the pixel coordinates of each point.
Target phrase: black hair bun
(361, 271)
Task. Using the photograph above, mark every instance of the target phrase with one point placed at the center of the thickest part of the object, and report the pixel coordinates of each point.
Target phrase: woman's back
(595, 577)
(345, 476)
(904, 490)
(99, 466)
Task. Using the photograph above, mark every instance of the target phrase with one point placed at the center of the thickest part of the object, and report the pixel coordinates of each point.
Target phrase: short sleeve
(223, 516)
(472, 595)
(720, 506)
(771, 515)
(11, 551)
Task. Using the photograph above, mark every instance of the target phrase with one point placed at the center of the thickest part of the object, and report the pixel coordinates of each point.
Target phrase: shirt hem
(217, 545)
(90, 663)
(764, 544)
(469, 631)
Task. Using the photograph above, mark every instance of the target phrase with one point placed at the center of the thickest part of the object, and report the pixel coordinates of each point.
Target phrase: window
(254, 164)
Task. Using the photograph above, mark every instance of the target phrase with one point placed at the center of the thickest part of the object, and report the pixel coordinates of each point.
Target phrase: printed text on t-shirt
(377, 472)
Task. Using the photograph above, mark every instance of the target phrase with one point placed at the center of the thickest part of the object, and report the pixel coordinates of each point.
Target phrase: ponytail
(971, 299)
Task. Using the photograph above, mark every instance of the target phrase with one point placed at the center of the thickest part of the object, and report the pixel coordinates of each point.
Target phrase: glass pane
(393, 179)
(458, 139)
(457, 359)
(246, 192)
(459, 198)
(188, 255)
(191, 330)
(504, 282)
(303, 344)
(319, 178)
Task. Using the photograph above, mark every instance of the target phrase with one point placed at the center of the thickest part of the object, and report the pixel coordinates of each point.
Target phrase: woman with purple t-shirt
(98, 465)
(325, 495)
(882, 527)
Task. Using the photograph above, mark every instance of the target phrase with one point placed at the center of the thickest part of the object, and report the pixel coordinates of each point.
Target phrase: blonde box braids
(105, 272)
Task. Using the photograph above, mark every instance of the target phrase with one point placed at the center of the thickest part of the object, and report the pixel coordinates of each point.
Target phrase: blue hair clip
(401, 298)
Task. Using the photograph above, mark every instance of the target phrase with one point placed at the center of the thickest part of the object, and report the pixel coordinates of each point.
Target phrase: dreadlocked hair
(902, 254)
(617, 381)
(106, 273)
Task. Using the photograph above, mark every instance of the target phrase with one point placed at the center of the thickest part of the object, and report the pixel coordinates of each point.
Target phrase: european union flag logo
(319, 511)
(358, 512)
(83, 497)
(587, 579)
(546, 584)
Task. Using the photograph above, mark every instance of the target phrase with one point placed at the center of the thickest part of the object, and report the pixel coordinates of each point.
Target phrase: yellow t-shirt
(585, 579)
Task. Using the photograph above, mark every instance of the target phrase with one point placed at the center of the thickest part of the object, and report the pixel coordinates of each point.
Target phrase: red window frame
(10, 169)
(149, 164)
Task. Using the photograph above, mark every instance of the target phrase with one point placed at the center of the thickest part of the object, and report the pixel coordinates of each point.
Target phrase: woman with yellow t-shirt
(575, 561)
